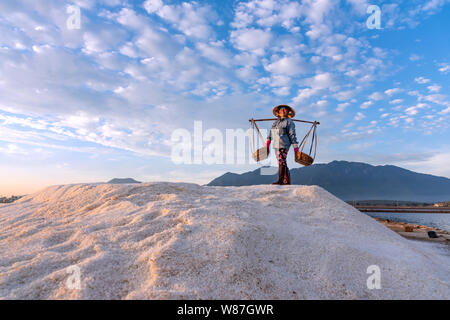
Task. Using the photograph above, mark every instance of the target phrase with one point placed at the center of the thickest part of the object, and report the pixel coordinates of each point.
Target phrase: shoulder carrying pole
(273, 119)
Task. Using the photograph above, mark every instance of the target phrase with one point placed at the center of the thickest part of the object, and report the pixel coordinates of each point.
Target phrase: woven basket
(260, 154)
(303, 159)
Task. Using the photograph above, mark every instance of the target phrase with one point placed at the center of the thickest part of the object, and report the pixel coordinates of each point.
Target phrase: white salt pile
(179, 240)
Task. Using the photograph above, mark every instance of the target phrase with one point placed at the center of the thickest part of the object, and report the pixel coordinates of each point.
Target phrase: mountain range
(355, 181)
(123, 180)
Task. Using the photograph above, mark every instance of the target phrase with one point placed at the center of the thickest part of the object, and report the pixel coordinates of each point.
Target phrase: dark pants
(283, 171)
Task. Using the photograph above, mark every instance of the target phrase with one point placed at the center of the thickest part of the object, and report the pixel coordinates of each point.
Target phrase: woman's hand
(295, 152)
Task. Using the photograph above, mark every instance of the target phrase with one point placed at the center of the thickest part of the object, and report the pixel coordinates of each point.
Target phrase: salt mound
(179, 240)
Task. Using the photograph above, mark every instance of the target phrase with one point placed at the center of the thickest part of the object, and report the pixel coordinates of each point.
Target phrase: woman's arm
(291, 132)
(269, 138)
(292, 136)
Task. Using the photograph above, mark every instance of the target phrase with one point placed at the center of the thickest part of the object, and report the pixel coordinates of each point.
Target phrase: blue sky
(102, 101)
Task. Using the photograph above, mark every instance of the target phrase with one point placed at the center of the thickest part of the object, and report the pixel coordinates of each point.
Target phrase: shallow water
(436, 220)
(442, 248)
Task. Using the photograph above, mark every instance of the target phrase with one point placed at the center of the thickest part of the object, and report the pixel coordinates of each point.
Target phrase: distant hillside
(9, 199)
(123, 180)
(355, 181)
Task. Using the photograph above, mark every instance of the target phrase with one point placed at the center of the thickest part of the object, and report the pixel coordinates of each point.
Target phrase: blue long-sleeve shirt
(285, 129)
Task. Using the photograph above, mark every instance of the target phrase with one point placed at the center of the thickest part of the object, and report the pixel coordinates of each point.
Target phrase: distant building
(441, 204)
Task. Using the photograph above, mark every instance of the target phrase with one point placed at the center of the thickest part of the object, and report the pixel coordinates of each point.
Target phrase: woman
(283, 134)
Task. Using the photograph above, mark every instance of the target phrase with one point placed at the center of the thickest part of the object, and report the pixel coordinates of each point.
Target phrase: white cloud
(359, 6)
(359, 116)
(414, 93)
(131, 19)
(316, 32)
(191, 18)
(215, 53)
(13, 149)
(290, 66)
(305, 94)
(433, 5)
(415, 109)
(289, 12)
(414, 57)
(24, 122)
(376, 96)
(248, 73)
(391, 92)
(316, 11)
(436, 163)
(321, 81)
(445, 68)
(282, 91)
(396, 101)
(264, 80)
(153, 5)
(129, 50)
(103, 39)
(361, 146)
(321, 103)
(421, 80)
(246, 59)
(267, 13)
(278, 80)
(342, 95)
(366, 104)
(317, 84)
(341, 106)
(439, 99)
(412, 111)
(253, 40)
(434, 88)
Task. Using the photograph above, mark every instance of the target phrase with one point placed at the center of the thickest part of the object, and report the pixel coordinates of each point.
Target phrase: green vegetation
(389, 203)
(10, 199)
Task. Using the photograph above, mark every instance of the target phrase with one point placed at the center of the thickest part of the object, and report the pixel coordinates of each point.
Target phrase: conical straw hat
(291, 112)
